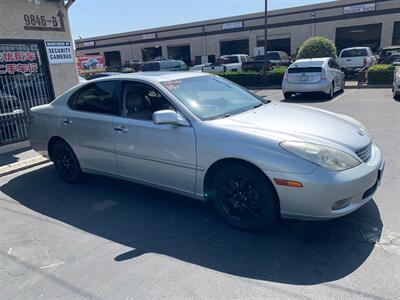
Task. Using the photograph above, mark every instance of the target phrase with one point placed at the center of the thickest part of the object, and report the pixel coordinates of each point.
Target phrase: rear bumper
(323, 189)
(323, 86)
(352, 70)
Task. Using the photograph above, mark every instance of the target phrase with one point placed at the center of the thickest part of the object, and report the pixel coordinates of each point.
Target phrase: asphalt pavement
(111, 239)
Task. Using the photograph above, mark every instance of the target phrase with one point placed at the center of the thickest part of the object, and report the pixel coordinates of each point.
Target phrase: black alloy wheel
(66, 163)
(244, 197)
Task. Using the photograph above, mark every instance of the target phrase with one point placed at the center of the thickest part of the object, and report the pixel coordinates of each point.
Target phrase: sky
(89, 18)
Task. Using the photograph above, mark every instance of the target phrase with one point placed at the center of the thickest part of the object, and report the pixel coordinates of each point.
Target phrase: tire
(342, 89)
(244, 197)
(287, 96)
(396, 97)
(65, 162)
(331, 93)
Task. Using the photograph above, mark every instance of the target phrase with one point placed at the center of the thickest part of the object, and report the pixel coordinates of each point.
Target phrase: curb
(22, 165)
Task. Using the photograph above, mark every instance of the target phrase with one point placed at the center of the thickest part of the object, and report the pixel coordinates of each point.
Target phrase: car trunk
(304, 74)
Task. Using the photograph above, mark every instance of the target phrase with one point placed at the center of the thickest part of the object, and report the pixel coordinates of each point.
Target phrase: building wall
(296, 23)
(12, 23)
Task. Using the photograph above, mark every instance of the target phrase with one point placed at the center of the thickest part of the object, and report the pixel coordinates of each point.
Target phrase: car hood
(285, 121)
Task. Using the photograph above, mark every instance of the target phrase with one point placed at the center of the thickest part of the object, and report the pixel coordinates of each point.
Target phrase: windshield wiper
(258, 105)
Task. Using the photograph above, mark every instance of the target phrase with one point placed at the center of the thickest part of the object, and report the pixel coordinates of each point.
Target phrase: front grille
(365, 153)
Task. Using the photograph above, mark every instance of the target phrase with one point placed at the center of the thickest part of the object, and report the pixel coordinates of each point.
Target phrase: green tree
(316, 47)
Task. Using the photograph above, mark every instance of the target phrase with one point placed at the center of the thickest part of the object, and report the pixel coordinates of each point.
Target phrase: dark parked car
(8, 103)
(274, 59)
(385, 54)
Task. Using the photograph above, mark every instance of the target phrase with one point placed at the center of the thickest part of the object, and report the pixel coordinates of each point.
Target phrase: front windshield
(212, 97)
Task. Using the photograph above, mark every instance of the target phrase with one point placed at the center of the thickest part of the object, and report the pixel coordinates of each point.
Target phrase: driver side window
(140, 101)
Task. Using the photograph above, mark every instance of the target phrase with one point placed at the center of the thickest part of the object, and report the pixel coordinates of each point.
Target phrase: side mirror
(170, 117)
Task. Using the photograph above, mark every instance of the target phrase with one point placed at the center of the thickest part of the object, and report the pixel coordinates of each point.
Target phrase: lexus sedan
(205, 137)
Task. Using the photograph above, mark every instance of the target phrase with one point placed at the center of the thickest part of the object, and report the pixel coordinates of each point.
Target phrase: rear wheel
(244, 197)
(343, 85)
(396, 96)
(331, 93)
(65, 162)
(287, 96)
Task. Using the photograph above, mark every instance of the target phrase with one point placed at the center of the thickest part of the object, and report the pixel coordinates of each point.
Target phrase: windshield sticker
(173, 85)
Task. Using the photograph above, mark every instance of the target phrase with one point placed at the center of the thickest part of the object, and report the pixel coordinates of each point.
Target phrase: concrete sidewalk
(17, 157)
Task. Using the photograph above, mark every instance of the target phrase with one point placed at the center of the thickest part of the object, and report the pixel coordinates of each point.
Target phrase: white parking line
(344, 94)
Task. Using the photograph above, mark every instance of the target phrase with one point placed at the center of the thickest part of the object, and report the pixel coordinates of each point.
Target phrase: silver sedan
(202, 136)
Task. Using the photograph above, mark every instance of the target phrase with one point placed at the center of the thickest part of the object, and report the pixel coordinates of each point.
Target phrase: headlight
(326, 157)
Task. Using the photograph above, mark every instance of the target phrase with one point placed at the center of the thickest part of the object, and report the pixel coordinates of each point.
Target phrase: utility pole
(266, 37)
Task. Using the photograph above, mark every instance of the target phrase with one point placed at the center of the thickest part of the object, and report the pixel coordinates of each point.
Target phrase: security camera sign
(59, 52)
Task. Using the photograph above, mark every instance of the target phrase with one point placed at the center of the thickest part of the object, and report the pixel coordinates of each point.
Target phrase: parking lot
(110, 239)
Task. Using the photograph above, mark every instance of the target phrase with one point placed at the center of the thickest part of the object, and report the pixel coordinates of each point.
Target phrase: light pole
(266, 37)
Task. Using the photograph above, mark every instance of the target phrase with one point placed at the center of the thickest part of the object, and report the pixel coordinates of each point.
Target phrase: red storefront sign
(90, 64)
(12, 62)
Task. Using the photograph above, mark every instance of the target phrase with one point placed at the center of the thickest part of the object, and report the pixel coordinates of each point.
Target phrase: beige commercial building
(347, 22)
(37, 60)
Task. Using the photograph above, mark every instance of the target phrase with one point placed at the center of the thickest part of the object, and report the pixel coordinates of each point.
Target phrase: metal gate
(24, 83)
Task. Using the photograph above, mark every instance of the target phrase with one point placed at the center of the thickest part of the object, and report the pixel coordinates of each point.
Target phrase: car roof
(157, 76)
(317, 62)
(351, 48)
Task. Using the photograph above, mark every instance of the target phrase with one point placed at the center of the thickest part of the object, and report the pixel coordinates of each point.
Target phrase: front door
(88, 126)
(158, 154)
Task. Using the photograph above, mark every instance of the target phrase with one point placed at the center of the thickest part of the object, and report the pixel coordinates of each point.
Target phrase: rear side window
(95, 98)
(354, 53)
(305, 70)
(273, 56)
(151, 66)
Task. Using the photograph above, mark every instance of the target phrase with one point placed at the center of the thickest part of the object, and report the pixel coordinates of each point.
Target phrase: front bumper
(322, 86)
(322, 189)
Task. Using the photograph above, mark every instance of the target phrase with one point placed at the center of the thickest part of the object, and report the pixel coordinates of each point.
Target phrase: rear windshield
(232, 59)
(151, 66)
(354, 53)
(305, 70)
(386, 52)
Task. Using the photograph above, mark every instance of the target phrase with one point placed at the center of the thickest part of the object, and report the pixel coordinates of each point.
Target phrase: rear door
(304, 74)
(88, 125)
(335, 73)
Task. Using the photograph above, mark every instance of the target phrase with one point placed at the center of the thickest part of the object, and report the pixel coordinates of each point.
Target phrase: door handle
(67, 122)
(121, 129)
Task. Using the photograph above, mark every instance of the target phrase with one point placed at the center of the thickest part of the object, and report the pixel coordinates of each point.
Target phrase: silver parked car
(313, 75)
(207, 138)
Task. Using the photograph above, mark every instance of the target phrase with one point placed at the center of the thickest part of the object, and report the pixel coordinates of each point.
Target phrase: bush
(380, 74)
(316, 47)
(252, 78)
(275, 77)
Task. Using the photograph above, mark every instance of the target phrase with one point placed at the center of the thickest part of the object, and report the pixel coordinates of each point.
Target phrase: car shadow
(309, 98)
(11, 156)
(153, 221)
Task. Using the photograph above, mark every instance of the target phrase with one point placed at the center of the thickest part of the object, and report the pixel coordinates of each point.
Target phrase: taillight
(323, 75)
(30, 119)
(365, 61)
(285, 77)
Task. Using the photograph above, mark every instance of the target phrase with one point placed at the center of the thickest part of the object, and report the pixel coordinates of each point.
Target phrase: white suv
(313, 75)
